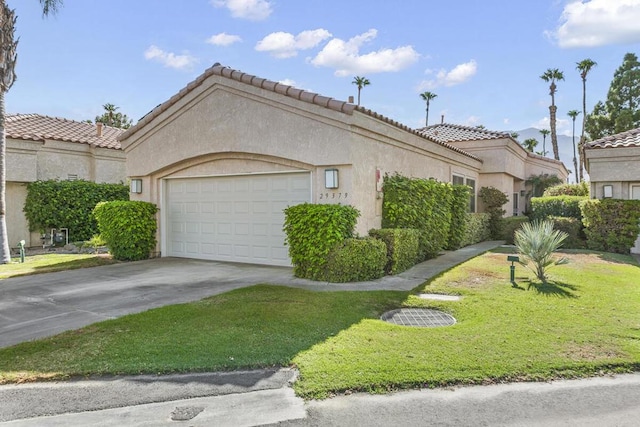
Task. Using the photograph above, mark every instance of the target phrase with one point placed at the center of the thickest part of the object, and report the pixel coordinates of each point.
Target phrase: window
(472, 197)
(515, 204)
(458, 180)
(72, 177)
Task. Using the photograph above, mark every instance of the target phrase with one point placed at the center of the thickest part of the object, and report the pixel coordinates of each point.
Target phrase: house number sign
(333, 195)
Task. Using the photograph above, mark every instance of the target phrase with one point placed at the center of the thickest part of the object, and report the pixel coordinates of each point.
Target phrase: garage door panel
(237, 218)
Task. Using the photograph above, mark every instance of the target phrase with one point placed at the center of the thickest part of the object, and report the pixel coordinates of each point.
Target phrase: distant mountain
(565, 146)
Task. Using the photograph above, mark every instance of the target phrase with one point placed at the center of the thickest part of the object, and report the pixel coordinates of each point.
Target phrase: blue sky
(482, 58)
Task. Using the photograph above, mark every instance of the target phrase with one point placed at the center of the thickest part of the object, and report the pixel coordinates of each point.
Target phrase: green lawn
(583, 322)
(48, 263)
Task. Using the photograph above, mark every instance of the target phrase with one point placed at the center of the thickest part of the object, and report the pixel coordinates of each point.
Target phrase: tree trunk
(554, 136)
(426, 120)
(5, 254)
(584, 122)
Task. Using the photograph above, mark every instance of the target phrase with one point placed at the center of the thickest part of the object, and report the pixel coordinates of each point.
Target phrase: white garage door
(232, 218)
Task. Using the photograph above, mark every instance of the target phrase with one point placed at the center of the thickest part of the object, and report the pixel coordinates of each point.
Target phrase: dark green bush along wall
(128, 228)
(403, 247)
(611, 225)
(508, 227)
(477, 228)
(68, 204)
(312, 231)
(493, 200)
(573, 228)
(459, 213)
(423, 204)
(581, 189)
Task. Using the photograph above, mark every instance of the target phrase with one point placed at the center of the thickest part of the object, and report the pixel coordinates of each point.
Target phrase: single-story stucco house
(42, 148)
(613, 164)
(506, 164)
(223, 157)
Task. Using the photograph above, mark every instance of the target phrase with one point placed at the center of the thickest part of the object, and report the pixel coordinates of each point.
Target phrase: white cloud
(505, 121)
(459, 74)
(223, 39)
(598, 23)
(345, 56)
(170, 59)
(287, 82)
(286, 45)
(472, 121)
(253, 10)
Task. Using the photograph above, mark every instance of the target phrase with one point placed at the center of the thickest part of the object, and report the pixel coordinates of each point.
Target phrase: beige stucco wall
(618, 167)
(507, 165)
(29, 161)
(226, 127)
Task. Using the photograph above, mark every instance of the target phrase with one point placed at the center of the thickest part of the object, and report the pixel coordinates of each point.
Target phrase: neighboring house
(506, 164)
(223, 157)
(42, 148)
(613, 164)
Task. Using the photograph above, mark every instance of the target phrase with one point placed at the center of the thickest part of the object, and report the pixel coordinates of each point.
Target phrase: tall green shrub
(128, 228)
(312, 231)
(566, 206)
(509, 226)
(611, 225)
(68, 204)
(423, 204)
(493, 200)
(573, 228)
(459, 211)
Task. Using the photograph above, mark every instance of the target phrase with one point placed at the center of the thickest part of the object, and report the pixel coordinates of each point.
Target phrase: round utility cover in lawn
(424, 317)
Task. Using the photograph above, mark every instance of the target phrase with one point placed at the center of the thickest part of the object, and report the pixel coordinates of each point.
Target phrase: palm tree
(584, 67)
(530, 144)
(544, 133)
(427, 96)
(573, 114)
(360, 82)
(552, 75)
(8, 56)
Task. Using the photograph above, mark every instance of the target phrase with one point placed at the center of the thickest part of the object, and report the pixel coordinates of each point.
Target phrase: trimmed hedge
(611, 225)
(581, 189)
(573, 228)
(477, 228)
(508, 227)
(459, 212)
(312, 231)
(68, 204)
(402, 247)
(565, 206)
(423, 204)
(128, 228)
(356, 260)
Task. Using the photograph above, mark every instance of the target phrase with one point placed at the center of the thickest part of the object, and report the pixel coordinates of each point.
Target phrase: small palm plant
(536, 242)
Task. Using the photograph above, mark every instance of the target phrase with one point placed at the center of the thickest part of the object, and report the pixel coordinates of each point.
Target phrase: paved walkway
(41, 305)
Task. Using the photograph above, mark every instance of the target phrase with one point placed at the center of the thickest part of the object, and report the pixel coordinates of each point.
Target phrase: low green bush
(128, 228)
(508, 227)
(611, 225)
(581, 189)
(477, 228)
(356, 260)
(312, 230)
(565, 206)
(403, 247)
(573, 228)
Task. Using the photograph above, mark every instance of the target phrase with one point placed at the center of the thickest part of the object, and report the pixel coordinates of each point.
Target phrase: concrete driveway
(42, 305)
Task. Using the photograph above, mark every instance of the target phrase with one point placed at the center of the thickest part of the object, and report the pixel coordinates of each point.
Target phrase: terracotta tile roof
(285, 90)
(36, 127)
(450, 133)
(630, 138)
